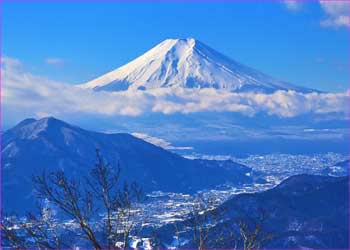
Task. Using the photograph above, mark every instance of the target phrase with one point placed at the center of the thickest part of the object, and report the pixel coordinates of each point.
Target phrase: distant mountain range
(187, 63)
(51, 144)
(303, 212)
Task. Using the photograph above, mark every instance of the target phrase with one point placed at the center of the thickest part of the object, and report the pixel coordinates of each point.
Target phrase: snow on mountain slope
(187, 63)
(303, 212)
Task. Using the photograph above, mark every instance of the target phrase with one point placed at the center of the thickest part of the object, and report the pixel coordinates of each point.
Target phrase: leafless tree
(9, 225)
(83, 201)
(129, 213)
(202, 221)
(211, 227)
(253, 235)
(39, 231)
(246, 232)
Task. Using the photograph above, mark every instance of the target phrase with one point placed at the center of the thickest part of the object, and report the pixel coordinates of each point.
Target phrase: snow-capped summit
(32, 128)
(187, 63)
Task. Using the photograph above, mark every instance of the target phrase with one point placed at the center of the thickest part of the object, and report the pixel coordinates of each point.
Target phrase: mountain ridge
(50, 144)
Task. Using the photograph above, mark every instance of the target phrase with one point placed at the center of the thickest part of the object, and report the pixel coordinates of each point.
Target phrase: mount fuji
(187, 63)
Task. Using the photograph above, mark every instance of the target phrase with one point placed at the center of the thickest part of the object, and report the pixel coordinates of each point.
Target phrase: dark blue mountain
(51, 144)
(304, 211)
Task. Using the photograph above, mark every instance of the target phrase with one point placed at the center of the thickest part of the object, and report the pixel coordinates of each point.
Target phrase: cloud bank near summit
(160, 142)
(27, 95)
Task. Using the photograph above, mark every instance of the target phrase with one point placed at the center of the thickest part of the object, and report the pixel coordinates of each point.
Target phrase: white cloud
(292, 5)
(54, 61)
(159, 142)
(10, 62)
(27, 95)
(338, 13)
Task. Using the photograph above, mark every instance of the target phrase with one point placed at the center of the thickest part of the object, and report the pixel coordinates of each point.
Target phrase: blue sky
(74, 42)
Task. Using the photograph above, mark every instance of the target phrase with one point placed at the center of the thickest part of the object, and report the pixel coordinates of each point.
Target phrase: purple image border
(1, 132)
(150, 1)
